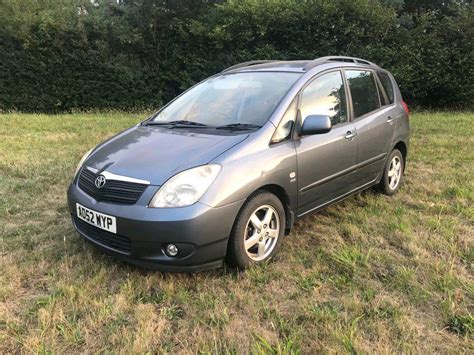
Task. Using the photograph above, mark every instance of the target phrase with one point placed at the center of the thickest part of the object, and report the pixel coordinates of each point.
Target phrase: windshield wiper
(239, 126)
(176, 124)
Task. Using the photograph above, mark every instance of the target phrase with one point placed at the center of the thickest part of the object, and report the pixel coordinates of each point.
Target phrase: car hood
(155, 154)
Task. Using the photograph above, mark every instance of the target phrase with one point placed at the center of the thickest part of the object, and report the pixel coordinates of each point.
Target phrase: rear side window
(387, 85)
(325, 96)
(365, 97)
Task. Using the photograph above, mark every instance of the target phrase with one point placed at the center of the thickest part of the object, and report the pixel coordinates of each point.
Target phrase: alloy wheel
(394, 172)
(262, 232)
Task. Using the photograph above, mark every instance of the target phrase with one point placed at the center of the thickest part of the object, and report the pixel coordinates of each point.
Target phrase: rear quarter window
(387, 85)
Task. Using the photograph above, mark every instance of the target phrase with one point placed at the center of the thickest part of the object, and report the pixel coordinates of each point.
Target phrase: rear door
(374, 122)
(326, 162)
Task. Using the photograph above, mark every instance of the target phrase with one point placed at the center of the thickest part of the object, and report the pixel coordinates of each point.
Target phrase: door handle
(389, 119)
(350, 135)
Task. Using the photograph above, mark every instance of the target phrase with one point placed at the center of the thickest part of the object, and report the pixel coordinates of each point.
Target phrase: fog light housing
(171, 250)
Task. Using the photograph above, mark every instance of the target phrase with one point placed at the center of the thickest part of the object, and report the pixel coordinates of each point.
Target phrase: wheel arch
(284, 198)
(403, 148)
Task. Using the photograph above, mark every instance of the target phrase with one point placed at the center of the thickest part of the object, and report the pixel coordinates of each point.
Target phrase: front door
(326, 162)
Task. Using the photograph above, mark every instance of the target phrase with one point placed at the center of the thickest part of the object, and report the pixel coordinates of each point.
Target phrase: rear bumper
(200, 232)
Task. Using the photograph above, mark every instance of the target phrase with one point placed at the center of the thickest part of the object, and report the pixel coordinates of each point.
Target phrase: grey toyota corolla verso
(222, 171)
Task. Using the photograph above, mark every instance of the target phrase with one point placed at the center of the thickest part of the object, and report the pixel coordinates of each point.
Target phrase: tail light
(405, 107)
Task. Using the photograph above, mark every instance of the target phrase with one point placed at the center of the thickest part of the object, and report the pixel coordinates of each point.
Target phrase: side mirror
(316, 124)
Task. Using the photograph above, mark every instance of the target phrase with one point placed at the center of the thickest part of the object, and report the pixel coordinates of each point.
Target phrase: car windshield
(239, 100)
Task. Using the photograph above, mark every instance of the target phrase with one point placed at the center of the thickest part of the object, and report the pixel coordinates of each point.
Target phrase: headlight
(83, 159)
(186, 188)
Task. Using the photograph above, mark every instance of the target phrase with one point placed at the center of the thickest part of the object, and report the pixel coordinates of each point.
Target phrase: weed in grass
(326, 311)
(461, 324)
(445, 282)
(309, 282)
(172, 312)
(262, 346)
(347, 336)
(71, 333)
(368, 294)
(262, 274)
(384, 310)
(351, 257)
(218, 319)
(150, 295)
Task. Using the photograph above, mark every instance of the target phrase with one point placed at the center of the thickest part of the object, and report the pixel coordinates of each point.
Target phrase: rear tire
(258, 231)
(392, 177)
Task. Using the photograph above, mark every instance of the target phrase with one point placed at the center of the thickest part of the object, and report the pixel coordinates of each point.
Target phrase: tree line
(63, 55)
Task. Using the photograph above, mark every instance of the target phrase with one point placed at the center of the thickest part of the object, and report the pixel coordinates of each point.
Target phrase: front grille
(111, 240)
(115, 191)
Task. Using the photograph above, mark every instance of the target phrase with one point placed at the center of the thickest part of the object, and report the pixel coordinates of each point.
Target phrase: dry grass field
(370, 274)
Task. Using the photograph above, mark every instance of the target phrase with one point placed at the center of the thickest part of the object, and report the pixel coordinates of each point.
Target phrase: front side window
(365, 97)
(387, 85)
(325, 96)
(240, 98)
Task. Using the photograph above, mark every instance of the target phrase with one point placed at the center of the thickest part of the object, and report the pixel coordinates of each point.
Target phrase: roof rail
(249, 63)
(322, 60)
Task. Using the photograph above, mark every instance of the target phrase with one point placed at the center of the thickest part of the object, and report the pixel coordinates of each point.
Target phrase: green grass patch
(370, 274)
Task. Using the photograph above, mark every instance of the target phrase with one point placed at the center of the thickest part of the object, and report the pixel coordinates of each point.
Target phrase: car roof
(299, 66)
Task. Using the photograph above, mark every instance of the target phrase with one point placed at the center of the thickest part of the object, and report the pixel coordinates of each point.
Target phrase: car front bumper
(199, 231)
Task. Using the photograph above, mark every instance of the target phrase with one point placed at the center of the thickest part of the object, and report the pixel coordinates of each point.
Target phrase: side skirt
(340, 198)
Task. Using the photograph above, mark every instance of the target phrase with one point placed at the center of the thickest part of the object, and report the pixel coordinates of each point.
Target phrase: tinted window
(325, 96)
(387, 85)
(365, 97)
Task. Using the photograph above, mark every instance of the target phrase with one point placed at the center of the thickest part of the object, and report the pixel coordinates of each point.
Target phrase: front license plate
(97, 219)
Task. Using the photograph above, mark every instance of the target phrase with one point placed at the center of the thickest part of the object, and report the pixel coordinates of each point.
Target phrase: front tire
(393, 173)
(258, 231)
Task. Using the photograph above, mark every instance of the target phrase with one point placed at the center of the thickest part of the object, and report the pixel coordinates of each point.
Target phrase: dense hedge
(76, 54)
